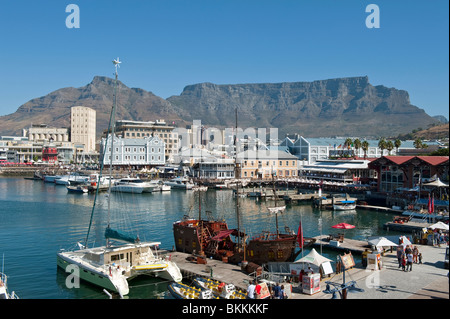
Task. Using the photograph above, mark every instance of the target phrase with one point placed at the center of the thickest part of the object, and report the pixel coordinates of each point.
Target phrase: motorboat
(219, 288)
(183, 291)
(132, 185)
(4, 293)
(180, 183)
(160, 186)
(344, 205)
(77, 188)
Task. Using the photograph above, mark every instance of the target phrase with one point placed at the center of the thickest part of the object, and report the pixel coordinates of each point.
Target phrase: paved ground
(426, 281)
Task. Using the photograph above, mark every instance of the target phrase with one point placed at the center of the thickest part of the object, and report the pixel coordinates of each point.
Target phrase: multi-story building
(41, 133)
(82, 127)
(139, 129)
(263, 164)
(147, 151)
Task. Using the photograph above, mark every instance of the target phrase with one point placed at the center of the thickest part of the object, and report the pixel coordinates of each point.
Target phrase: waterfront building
(139, 129)
(83, 127)
(346, 171)
(49, 154)
(395, 172)
(138, 152)
(43, 133)
(262, 164)
(310, 150)
(214, 169)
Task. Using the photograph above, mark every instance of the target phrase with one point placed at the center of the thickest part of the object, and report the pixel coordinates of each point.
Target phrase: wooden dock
(352, 245)
(409, 227)
(215, 269)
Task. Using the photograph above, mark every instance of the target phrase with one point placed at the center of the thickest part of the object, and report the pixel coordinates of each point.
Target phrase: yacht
(133, 185)
(124, 256)
(111, 267)
(180, 183)
(4, 294)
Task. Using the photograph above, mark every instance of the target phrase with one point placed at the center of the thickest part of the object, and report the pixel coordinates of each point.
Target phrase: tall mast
(236, 172)
(112, 124)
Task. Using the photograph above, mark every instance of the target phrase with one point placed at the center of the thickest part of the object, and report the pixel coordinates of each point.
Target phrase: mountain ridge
(341, 106)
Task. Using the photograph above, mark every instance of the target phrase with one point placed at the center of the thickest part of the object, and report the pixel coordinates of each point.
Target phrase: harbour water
(38, 219)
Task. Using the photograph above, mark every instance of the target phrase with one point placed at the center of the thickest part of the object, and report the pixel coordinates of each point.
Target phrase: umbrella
(381, 242)
(313, 258)
(439, 225)
(436, 183)
(343, 226)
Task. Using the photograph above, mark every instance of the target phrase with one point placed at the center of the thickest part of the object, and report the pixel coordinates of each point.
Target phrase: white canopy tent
(313, 258)
(381, 242)
(439, 225)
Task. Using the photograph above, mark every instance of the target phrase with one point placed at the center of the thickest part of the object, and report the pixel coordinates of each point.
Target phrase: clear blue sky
(168, 44)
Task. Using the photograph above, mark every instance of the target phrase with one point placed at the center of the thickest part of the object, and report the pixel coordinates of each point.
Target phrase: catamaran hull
(92, 276)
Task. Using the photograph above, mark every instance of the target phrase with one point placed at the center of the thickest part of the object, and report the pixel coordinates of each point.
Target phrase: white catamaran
(112, 265)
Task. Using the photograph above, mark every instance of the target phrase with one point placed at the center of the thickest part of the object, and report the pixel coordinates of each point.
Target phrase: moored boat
(219, 288)
(182, 291)
(4, 293)
(180, 183)
(344, 205)
(123, 257)
(133, 185)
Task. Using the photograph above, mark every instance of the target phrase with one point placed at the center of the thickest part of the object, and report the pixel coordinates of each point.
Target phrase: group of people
(276, 291)
(407, 256)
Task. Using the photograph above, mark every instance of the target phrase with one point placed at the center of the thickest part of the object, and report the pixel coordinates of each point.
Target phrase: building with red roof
(408, 171)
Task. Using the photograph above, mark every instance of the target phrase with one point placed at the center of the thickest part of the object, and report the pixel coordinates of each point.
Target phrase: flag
(321, 183)
(300, 235)
(430, 204)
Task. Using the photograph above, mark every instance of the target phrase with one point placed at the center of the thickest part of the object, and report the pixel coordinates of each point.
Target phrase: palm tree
(397, 144)
(418, 143)
(382, 145)
(348, 143)
(389, 146)
(357, 144)
(365, 148)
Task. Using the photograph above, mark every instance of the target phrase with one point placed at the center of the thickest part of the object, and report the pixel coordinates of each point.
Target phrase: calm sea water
(38, 219)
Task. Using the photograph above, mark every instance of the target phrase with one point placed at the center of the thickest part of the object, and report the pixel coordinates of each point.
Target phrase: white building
(147, 151)
(83, 127)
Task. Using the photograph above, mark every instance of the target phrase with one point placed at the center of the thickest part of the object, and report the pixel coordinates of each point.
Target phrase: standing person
(409, 261)
(400, 255)
(258, 291)
(251, 290)
(415, 254)
(404, 263)
(420, 258)
(283, 294)
(277, 291)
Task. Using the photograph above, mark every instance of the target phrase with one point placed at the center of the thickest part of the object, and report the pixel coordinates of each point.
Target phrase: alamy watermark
(73, 19)
(373, 19)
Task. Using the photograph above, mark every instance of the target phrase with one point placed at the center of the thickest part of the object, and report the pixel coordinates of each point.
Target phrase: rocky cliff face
(344, 106)
(54, 108)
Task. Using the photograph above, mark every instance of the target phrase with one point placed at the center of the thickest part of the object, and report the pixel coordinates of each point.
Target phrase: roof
(400, 160)
(266, 154)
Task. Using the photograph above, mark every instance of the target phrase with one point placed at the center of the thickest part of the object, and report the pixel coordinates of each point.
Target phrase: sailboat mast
(276, 212)
(236, 173)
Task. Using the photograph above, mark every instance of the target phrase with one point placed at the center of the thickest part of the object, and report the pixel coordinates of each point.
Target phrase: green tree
(418, 143)
(382, 145)
(357, 144)
(389, 146)
(365, 148)
(397, 144)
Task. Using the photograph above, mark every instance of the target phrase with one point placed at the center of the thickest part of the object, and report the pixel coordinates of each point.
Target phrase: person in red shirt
(258, 291)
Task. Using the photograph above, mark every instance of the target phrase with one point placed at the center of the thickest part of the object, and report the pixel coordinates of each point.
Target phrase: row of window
(267, 163)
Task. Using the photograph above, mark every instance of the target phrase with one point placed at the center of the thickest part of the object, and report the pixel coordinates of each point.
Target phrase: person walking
(251, 290)
(409, 261)
(415, 254)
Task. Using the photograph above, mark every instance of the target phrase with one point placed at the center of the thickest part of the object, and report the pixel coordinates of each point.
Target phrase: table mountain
(343, 107)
